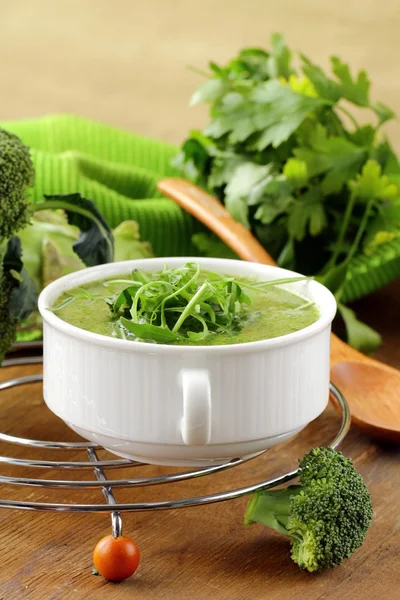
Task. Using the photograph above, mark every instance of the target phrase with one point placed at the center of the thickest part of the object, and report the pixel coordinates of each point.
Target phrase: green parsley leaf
(245, 177)
(308, 214)
(372, 184)
(325, 87)
(336, 157)
(363, 136)
(279, 112)
(210, 90)
(279, 60)
(295, 171)
(355, 90)
(383, 112)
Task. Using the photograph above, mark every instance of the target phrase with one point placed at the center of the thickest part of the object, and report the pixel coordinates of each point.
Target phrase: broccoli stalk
(326, 517)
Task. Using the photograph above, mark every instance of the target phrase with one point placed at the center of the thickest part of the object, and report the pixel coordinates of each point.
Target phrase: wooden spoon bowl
(371, 388)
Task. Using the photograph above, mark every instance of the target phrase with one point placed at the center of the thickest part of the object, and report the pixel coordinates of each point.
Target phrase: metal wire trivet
(107, 485)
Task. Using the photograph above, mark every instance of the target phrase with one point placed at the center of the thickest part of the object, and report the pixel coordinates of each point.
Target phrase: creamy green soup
(270, 313)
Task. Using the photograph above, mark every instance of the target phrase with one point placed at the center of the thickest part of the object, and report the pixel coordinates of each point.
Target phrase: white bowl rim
(327, 306)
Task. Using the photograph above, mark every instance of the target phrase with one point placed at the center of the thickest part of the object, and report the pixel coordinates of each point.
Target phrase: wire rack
(100, 481)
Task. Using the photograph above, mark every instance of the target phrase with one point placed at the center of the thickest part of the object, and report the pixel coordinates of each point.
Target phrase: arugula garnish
(285, 153)
(184, 303)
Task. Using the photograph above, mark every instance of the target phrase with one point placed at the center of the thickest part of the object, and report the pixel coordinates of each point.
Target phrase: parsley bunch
(286, 154)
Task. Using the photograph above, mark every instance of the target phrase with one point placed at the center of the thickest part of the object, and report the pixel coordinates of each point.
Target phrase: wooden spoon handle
(214, 215)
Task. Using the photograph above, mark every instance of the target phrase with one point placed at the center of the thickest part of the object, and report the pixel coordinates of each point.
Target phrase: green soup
(269, 313)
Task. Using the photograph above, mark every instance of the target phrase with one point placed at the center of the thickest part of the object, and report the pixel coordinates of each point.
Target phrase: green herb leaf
(372, 184)
(272, 208)
(280, 112)
(308, 214)
(210, 245)
(335, 277)
(355, 90)
(279, 60)
(210, 90)
(295, 172)
(383, 112)
(337, 158)
(359, 335)
(245, 177)
(326, 88)
(145, 331)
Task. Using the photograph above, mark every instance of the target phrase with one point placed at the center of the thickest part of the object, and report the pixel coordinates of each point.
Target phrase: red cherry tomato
(116, 558)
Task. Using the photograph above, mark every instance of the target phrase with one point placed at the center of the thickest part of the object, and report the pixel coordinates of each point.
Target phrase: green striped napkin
(117, 170)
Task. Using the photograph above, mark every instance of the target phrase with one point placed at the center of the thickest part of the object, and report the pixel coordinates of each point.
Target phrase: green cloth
(117, 170)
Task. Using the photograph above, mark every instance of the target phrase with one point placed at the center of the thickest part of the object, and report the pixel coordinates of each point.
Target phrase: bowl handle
(196, 420)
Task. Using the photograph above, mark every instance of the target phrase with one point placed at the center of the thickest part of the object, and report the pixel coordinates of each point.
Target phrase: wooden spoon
(371, 388)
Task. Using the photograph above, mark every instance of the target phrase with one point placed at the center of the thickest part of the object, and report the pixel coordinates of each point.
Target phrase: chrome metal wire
(106, 485)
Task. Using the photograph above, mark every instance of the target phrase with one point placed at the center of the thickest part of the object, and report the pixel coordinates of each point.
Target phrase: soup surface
(270, 312)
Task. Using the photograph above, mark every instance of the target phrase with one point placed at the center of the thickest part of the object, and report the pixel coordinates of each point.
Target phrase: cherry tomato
(116, 558)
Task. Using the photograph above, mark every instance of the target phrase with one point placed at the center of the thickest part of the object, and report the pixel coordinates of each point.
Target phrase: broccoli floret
(326, 517)
(8, 324)
(16, 176)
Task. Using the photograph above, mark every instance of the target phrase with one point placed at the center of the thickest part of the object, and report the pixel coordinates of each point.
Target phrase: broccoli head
(7, 323)
(327, 516)
(16, 176)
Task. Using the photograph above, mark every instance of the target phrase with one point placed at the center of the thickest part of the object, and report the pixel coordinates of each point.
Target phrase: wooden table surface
(195, 553)
(124, 63)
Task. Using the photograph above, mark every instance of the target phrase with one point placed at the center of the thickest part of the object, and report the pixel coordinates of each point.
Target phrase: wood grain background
(125, 62)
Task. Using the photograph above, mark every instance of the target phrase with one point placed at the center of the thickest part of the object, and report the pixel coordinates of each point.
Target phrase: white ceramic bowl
(186, 405)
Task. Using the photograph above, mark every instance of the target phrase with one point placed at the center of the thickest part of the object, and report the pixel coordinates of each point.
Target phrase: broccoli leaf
(127, 242)
(95, 244)
(23, 295)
